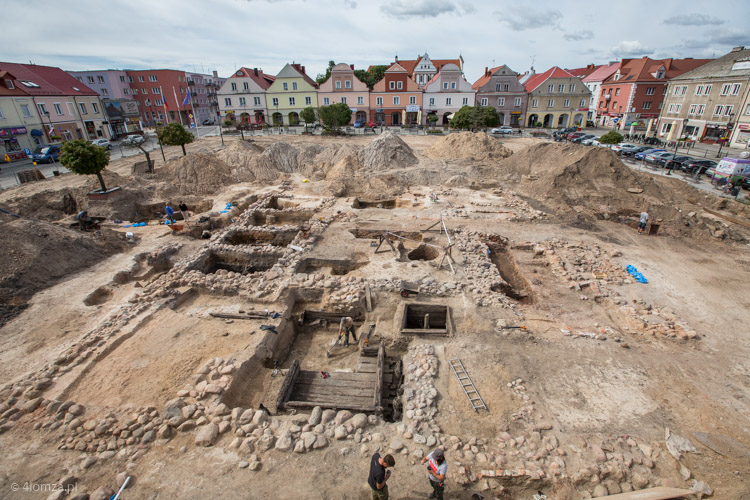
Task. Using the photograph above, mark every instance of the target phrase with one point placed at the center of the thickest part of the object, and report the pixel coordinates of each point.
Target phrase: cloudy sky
(226, 34)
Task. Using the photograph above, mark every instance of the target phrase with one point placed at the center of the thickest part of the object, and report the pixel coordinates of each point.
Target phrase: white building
(594, 83)
(243, 96)
(446, 93)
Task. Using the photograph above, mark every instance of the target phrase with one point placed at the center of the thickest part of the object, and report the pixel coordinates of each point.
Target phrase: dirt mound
(197, 173)
(37, 254)
(467, 145)
(387, 151)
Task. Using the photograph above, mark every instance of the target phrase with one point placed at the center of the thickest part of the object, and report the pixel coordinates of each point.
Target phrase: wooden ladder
(467, 385)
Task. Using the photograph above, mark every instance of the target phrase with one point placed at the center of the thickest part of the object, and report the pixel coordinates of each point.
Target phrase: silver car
(505, 129)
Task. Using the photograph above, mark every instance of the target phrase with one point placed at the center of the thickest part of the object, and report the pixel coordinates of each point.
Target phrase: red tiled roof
(536, 80)
(485, 78)
(602, 72)
(583, 72)
(410, 64)
(4, 90)
(261, 78)
(641, 70)
(51, 80)
(301, 70)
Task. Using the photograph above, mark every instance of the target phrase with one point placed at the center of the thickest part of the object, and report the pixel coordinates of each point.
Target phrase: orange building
(396, 99)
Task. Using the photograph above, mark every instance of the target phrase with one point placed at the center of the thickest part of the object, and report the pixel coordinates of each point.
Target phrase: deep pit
(256, 237)
(514, 284)
(329, 266)
(424, 252)
(239, 263)
(430, 319)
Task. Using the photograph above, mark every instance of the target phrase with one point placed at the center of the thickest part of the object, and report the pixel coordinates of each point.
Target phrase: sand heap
(387, 151)
(36, 254)
(467, 145)
(197, 173)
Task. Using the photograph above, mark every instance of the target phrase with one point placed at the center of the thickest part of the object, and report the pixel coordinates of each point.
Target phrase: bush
(611, 138)
(434, 131)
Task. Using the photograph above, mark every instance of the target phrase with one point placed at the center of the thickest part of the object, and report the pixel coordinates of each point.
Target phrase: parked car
(654, 141)
(670, 159)
(568, 130)
(207, 122)
(134, 139)
(505, 129)
(103, 143)
(47, 153)
(654, 157)
(678, 162)
(642, 154)
(577, 139)
(359, 124)
(591, 141)
(699, 165)
(573, 135)
(631, 149)
(618, 147)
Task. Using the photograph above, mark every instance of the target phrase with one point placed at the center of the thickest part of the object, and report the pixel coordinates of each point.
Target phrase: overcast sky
(226, 34)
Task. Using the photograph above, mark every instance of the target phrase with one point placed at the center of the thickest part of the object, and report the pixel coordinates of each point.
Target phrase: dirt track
(667, 354)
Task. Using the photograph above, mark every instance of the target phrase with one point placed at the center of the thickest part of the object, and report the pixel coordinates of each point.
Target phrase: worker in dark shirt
(379, 476)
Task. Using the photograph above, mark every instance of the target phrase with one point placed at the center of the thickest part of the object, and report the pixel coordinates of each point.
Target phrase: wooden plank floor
(339, 390)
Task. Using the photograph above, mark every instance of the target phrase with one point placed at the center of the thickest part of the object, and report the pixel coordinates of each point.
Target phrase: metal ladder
(467, 385)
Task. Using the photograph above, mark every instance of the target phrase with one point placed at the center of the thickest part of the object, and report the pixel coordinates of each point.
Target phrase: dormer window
(9, 83)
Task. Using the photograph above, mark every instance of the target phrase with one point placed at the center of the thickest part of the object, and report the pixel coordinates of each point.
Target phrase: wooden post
(379, 378)
(288, 385)
(426, 323)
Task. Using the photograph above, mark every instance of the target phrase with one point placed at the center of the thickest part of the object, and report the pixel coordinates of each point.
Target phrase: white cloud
(581, 35)
(693, 20)
(421, 8)
(523, 18)
(630, 49)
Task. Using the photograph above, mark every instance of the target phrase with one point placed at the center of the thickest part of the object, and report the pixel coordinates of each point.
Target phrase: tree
(323, 78)
(372, 76)
(611, 138)
(462, 119)
(308, 114)
(490, 118)
(84, 158)
(174, 134)
(335, 116)
(432, 119)
(475, 117)
(138, 142)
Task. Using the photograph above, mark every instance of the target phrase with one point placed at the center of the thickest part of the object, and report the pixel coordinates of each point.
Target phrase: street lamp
(726, 137)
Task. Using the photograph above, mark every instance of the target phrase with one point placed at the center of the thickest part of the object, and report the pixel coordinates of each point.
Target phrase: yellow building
(289, 94)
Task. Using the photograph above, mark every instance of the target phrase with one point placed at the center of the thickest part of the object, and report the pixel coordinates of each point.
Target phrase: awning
(35, 132)
(450, 116)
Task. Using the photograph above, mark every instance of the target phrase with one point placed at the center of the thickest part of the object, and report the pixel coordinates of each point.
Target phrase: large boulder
(207, 435)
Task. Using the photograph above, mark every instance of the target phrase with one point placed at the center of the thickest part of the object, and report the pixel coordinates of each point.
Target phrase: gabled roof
(536, 80)
(262, 79)
(643, 69)
(489, 73)
(45, 80)
(295, 70)
(583, 72)
(410, 64)
(602, 72)
(4, 90)
(725, 66)
(411, 85)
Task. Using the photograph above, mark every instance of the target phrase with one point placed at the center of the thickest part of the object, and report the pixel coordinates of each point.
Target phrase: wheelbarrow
(408, 288)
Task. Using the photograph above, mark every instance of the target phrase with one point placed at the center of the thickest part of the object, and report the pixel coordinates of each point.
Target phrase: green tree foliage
(308, 114)
(174, 134)
(335, 116)
(611, 138)
(372, 76)
(84, 158)
(323, 78)
(475, 117)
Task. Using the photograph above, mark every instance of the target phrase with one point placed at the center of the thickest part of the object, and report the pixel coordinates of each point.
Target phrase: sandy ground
(588, 388)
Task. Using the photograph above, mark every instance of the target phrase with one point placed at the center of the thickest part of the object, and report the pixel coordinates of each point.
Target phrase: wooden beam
(303, 392)
(421, 331)
(379, 375)
(312, 404)
(341, 376)
(287, 385)
(239, 316)
(660, 493)
(368, 297)
(304, 384)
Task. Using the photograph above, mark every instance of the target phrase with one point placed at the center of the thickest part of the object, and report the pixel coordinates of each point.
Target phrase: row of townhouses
(701, 99)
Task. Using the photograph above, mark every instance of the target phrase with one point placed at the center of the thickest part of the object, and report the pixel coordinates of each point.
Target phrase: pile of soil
(386, 152)
(197, 173)
(467, 145)
(37, 254)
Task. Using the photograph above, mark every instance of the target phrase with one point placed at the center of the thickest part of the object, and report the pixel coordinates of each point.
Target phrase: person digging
(347, 326)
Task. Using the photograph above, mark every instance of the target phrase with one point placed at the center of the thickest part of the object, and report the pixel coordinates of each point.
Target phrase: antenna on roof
(533, 58)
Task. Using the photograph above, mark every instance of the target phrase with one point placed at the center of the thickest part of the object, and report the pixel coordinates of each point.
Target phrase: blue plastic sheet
(636, 275)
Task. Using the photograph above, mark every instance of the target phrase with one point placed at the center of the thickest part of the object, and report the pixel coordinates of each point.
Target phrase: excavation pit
(258, 238)
(426, 319)
(424, 252)
(387, 204)
(513, 285)
(329, 266)
(280, 217)
(276, 203)
(239, 263)
(373, 234)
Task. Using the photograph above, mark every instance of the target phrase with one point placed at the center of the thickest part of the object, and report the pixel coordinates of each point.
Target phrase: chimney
(303, 70)
(255, 70)
(351, 66)
(486, 71)
(216, 74)
(396, 58)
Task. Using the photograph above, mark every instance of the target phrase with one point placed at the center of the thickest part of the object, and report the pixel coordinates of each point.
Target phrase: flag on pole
(163, 99)
(175, 97)
(186, 101)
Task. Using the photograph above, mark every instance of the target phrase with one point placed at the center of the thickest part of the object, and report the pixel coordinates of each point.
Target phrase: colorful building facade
(290, 93)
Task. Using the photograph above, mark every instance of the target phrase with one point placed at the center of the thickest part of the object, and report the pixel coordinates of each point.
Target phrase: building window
(582, 104)
(448, 101)
(25, 111)
(661, 103)
(572, 87)
(550, 103)
(148, 102)
(693, 108)
(484, 101)
(42, 109)
(453, 85)
(726, 88)
(100, 79)
(242, 102)
(291, 101)
(501, 101)
(2, 116)
(647, 105)
(90, 79)
(718, 110)
(399, 85)
(227, 101)
(326, 101)
(535, 103)
(151, 78)
(432, 101)
(82, 107)
(506, 87)
(736, 88)
(360, 100)
(58, 109)
(343, 100)
(664, 91)
(122, 78)
(275, 101)
(550, 88)
(445, 85)
(94, 108)
(256, 101)
(347, 84)
(155, 90)
(566, 103)
(396, 101)
(379, 101)
(617, 91)
(125, 91)
(286, 86)
(135, 91)
(601, 105)
(80, 79)
(104, 92)
(707, 90)
(141, 79)
(308, 101)
(728, 110)
(71, 109)
(234, 86)
(392, 85)
(245, 86)
(158, 102)
(699, 90)
(130, 79)
(517, 102)
(412, 99)
(701, 109)
(144, 91)
(561, 87)
(497, 87)
(294, 85)
(9, 83)
(747, 110)
(466, 101)
(338, 84)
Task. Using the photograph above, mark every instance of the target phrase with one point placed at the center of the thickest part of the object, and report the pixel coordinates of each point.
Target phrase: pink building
(343, 86)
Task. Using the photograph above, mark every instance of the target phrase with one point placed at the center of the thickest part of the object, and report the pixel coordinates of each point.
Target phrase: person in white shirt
(643, 221)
